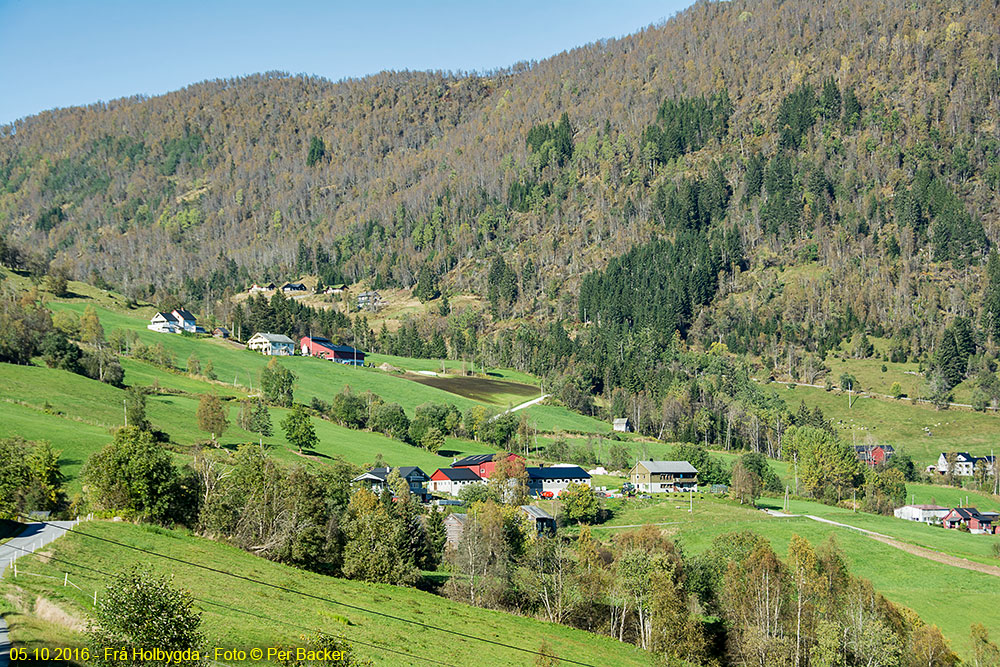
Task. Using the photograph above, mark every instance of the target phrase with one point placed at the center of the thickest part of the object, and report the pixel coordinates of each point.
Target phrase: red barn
(874, 455)
(483, 464)
(317, 346)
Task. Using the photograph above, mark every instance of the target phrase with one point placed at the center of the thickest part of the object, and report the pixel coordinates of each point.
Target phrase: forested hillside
(856, 143)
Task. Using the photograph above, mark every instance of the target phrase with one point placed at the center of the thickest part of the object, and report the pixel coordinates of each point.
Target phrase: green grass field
(901, 423)
(76, 415)
(946, 596)
(88, 410)
(287, 616)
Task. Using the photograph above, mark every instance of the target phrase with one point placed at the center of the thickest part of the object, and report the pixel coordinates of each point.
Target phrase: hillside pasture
(230, 621)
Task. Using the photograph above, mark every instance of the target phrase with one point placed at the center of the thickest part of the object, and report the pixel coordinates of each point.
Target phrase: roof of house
(536, 512)
(965, 512)
(457, 517)
(561, 472)
(870, 448)
(927, 507)
(661, 467)
(621, 420)
(221, 329)
(474, 460)
(169, 317)
(274, 338)
(457, 474)
(184, 315)
(406, 472)
(293, 286)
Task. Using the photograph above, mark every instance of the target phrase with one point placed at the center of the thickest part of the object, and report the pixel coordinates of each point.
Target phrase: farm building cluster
(266, 343)
(547, 482)
(968, 518)
(963, 464)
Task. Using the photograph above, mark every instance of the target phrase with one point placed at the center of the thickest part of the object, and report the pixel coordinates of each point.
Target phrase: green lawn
(901, 423)
(449, 366)
(230, 628)
(558, 418)
(948, 597)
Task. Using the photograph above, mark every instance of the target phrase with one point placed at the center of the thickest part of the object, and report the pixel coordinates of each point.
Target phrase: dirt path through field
(922, 552)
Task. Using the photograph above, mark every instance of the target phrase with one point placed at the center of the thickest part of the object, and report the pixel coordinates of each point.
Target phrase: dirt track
(922, 552)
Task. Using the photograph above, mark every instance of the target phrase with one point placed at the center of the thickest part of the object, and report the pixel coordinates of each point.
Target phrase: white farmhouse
(275, 345)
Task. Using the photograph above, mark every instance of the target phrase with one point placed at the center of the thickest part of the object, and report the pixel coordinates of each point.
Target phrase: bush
(390, 419)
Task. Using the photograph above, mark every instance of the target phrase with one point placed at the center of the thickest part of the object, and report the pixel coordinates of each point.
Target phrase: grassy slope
(229, 628)
(901, 423)
(91, 409)
(950, 598)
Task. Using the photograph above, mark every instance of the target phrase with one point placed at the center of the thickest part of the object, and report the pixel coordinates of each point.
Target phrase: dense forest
(613, 205)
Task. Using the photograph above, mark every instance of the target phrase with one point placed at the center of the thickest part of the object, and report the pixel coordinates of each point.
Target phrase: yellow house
(664, 476)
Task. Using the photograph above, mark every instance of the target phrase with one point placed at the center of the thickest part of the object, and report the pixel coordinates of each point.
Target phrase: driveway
(33, 537)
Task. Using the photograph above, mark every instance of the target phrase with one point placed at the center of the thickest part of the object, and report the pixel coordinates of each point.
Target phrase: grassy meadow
(288, 615)
(946, 596)
(900, 423)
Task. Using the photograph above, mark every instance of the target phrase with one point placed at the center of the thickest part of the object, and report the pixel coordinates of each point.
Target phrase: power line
(250, 613)
(320, 598)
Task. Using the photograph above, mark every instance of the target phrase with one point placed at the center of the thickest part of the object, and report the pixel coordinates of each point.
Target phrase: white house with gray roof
(274, 345)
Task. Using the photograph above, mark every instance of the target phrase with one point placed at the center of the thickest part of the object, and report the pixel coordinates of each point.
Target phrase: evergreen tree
(852, 109)
(317, 151)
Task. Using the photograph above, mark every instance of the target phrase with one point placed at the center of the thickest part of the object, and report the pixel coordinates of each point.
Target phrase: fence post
(65, 579)
(15, 569)
(95, 598)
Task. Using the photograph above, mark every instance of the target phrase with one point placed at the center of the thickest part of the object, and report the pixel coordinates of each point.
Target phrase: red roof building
(483, 464)
(317, 346)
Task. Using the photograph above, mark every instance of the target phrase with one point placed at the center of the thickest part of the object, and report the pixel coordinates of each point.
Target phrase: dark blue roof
(558, 472)
(345, 348)
(459, 474)
(474, 460)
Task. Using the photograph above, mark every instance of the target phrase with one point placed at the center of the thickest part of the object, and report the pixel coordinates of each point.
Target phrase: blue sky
(62, 53)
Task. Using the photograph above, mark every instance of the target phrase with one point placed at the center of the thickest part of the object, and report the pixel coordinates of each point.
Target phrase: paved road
(526, 404)
(33, 537)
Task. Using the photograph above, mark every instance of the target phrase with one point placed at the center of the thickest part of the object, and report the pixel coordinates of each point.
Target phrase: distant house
(623, 425)
(334, 289)
(317, 346)
(187, 321)
(874, 455)
(555, 479)
(483, 464)
(176, 321)
(664, 476)
(453, 480)
(221, 332)
(965, 463)
(293, 287)
(369, 300)
(544, 523)
(164, 323)
(454, 527)
(274, 345)
(924, 513)
(376, 479)
(267, 287)
(976, 521)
